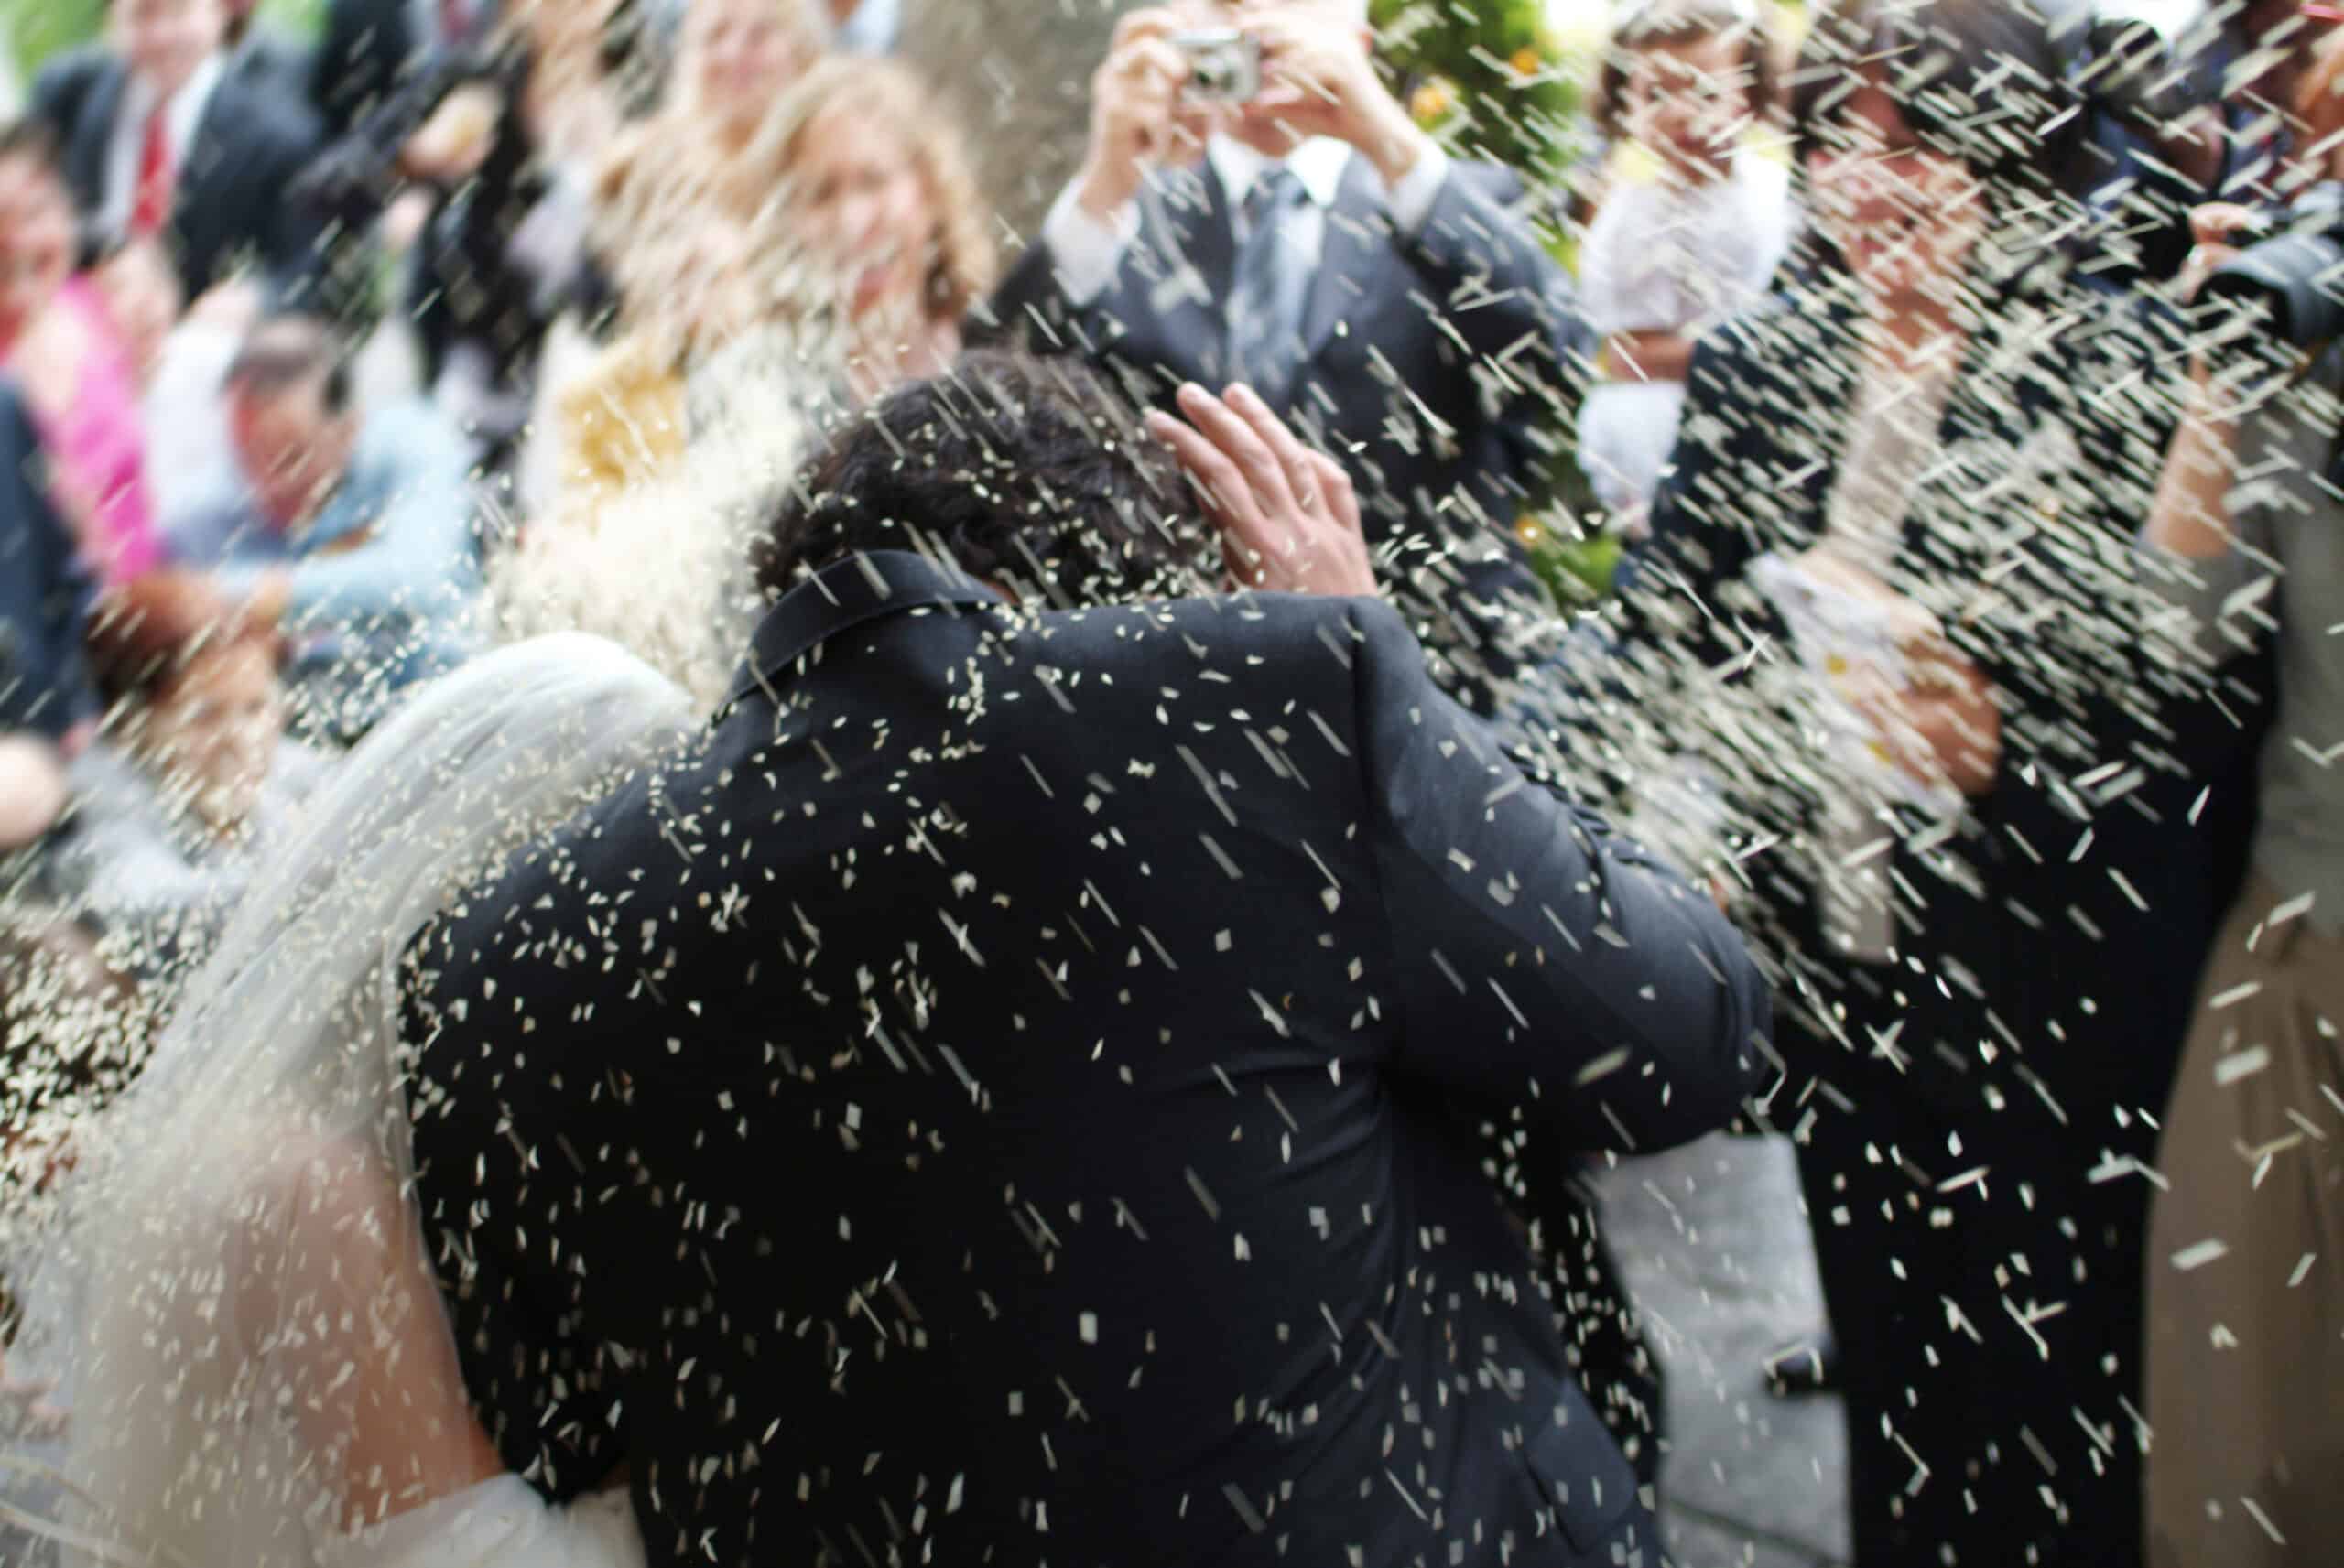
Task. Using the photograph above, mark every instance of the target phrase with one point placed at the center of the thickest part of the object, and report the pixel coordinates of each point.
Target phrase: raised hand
(1138, 119)
(1319, 79)
(1288, 516)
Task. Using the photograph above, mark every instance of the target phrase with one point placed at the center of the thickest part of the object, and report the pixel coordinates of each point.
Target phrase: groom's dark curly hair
(1030, 473)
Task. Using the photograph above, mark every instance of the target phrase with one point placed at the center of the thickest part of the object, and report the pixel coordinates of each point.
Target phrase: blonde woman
(747, 321)
(849, 215)
(876, 202)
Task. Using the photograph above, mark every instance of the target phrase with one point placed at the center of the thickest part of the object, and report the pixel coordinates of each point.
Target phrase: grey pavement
(1713, 1239)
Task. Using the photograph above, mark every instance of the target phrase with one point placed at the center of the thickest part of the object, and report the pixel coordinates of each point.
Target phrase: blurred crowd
(330, 363)
(306, 338)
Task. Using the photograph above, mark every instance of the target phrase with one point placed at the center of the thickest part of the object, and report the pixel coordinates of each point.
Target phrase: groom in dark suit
(1312, 240)
(1003, 1094)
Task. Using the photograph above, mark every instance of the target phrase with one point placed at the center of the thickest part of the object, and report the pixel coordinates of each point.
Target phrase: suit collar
(1319, 163)
(184, 116)
(843, 595)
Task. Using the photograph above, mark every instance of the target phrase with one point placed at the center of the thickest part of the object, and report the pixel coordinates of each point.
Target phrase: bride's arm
(348, 1310)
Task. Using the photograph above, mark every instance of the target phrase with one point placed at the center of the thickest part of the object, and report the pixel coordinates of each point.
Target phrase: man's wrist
(1104, 193)
(1391, 140)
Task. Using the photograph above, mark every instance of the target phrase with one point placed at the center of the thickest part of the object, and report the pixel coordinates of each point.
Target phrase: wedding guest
(2245, 1279)
(736, 331)
(160, 138)
(181, 362)
(68, 369)
(1978, 858)
(1694, 240)
(2209, 116)
(708, 151)
(853, 223)
(194, 785)
(736, 59)
(273, 59)
(1319, 245)
(368, 51)
(878, 196)
(496, 125)
(353, 536)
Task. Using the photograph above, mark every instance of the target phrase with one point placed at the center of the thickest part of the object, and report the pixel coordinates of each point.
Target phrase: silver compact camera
(1224, 65)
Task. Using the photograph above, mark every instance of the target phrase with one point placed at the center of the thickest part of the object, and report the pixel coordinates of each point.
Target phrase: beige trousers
(2245, 1355)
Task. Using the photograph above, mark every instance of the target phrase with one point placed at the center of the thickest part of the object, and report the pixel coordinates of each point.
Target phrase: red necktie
(150, 209)
(455, 22)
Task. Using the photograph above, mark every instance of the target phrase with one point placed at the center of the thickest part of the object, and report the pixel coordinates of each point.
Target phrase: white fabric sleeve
(1411, 201)
(501, 1524)
(1084, 251)
(1599, 278)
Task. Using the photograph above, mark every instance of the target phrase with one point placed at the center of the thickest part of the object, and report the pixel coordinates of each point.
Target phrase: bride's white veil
(225, 1277)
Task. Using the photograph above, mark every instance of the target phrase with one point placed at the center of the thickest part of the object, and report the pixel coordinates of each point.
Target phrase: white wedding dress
(228, 1289)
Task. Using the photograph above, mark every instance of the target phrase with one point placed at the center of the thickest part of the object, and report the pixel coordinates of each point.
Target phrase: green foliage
(1496, 81)
(37, 29)
(1491, 76)
(1578, 572)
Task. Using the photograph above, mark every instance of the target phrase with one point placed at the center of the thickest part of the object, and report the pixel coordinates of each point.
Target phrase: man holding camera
(1256, 206)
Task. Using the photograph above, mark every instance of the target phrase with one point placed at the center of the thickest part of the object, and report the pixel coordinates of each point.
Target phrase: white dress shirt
(186, 420)
(181, 118)
(873, 28)
(1087, 252)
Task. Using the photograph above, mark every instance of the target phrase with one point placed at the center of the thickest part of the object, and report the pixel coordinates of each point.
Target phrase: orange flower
(1527, 62)
(1529, 530)
(1431, 102)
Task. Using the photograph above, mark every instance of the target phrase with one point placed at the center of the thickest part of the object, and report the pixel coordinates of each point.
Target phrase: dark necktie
(1266, 287)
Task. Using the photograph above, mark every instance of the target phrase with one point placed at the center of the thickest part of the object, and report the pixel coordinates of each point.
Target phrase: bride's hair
(236, 1253)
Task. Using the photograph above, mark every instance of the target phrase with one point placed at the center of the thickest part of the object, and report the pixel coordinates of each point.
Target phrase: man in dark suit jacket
(45, 594)
(369, 50)
(1004, 1094)
(160, 135)
(272, 59)
(1317, 244)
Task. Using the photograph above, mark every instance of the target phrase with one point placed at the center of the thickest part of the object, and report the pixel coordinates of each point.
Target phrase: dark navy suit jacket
(996, 1095)
(45, 592)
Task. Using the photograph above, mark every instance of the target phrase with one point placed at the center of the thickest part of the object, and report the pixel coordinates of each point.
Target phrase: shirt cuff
(1085, 252)
(1412, 200)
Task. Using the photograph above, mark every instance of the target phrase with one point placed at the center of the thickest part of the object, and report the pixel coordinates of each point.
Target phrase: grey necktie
(1266, 287)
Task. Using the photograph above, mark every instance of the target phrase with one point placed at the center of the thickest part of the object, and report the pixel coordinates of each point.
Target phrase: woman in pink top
(69, 365)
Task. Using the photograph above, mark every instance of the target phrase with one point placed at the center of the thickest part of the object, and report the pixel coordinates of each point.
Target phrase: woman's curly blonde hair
(660, 184)
(890, 98)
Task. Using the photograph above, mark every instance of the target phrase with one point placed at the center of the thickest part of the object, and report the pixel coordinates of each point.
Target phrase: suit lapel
(197, 201)
(93, 138)
(1359, 237)
(1185, 227)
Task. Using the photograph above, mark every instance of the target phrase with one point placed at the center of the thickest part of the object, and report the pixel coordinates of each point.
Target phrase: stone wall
(1018, 74)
